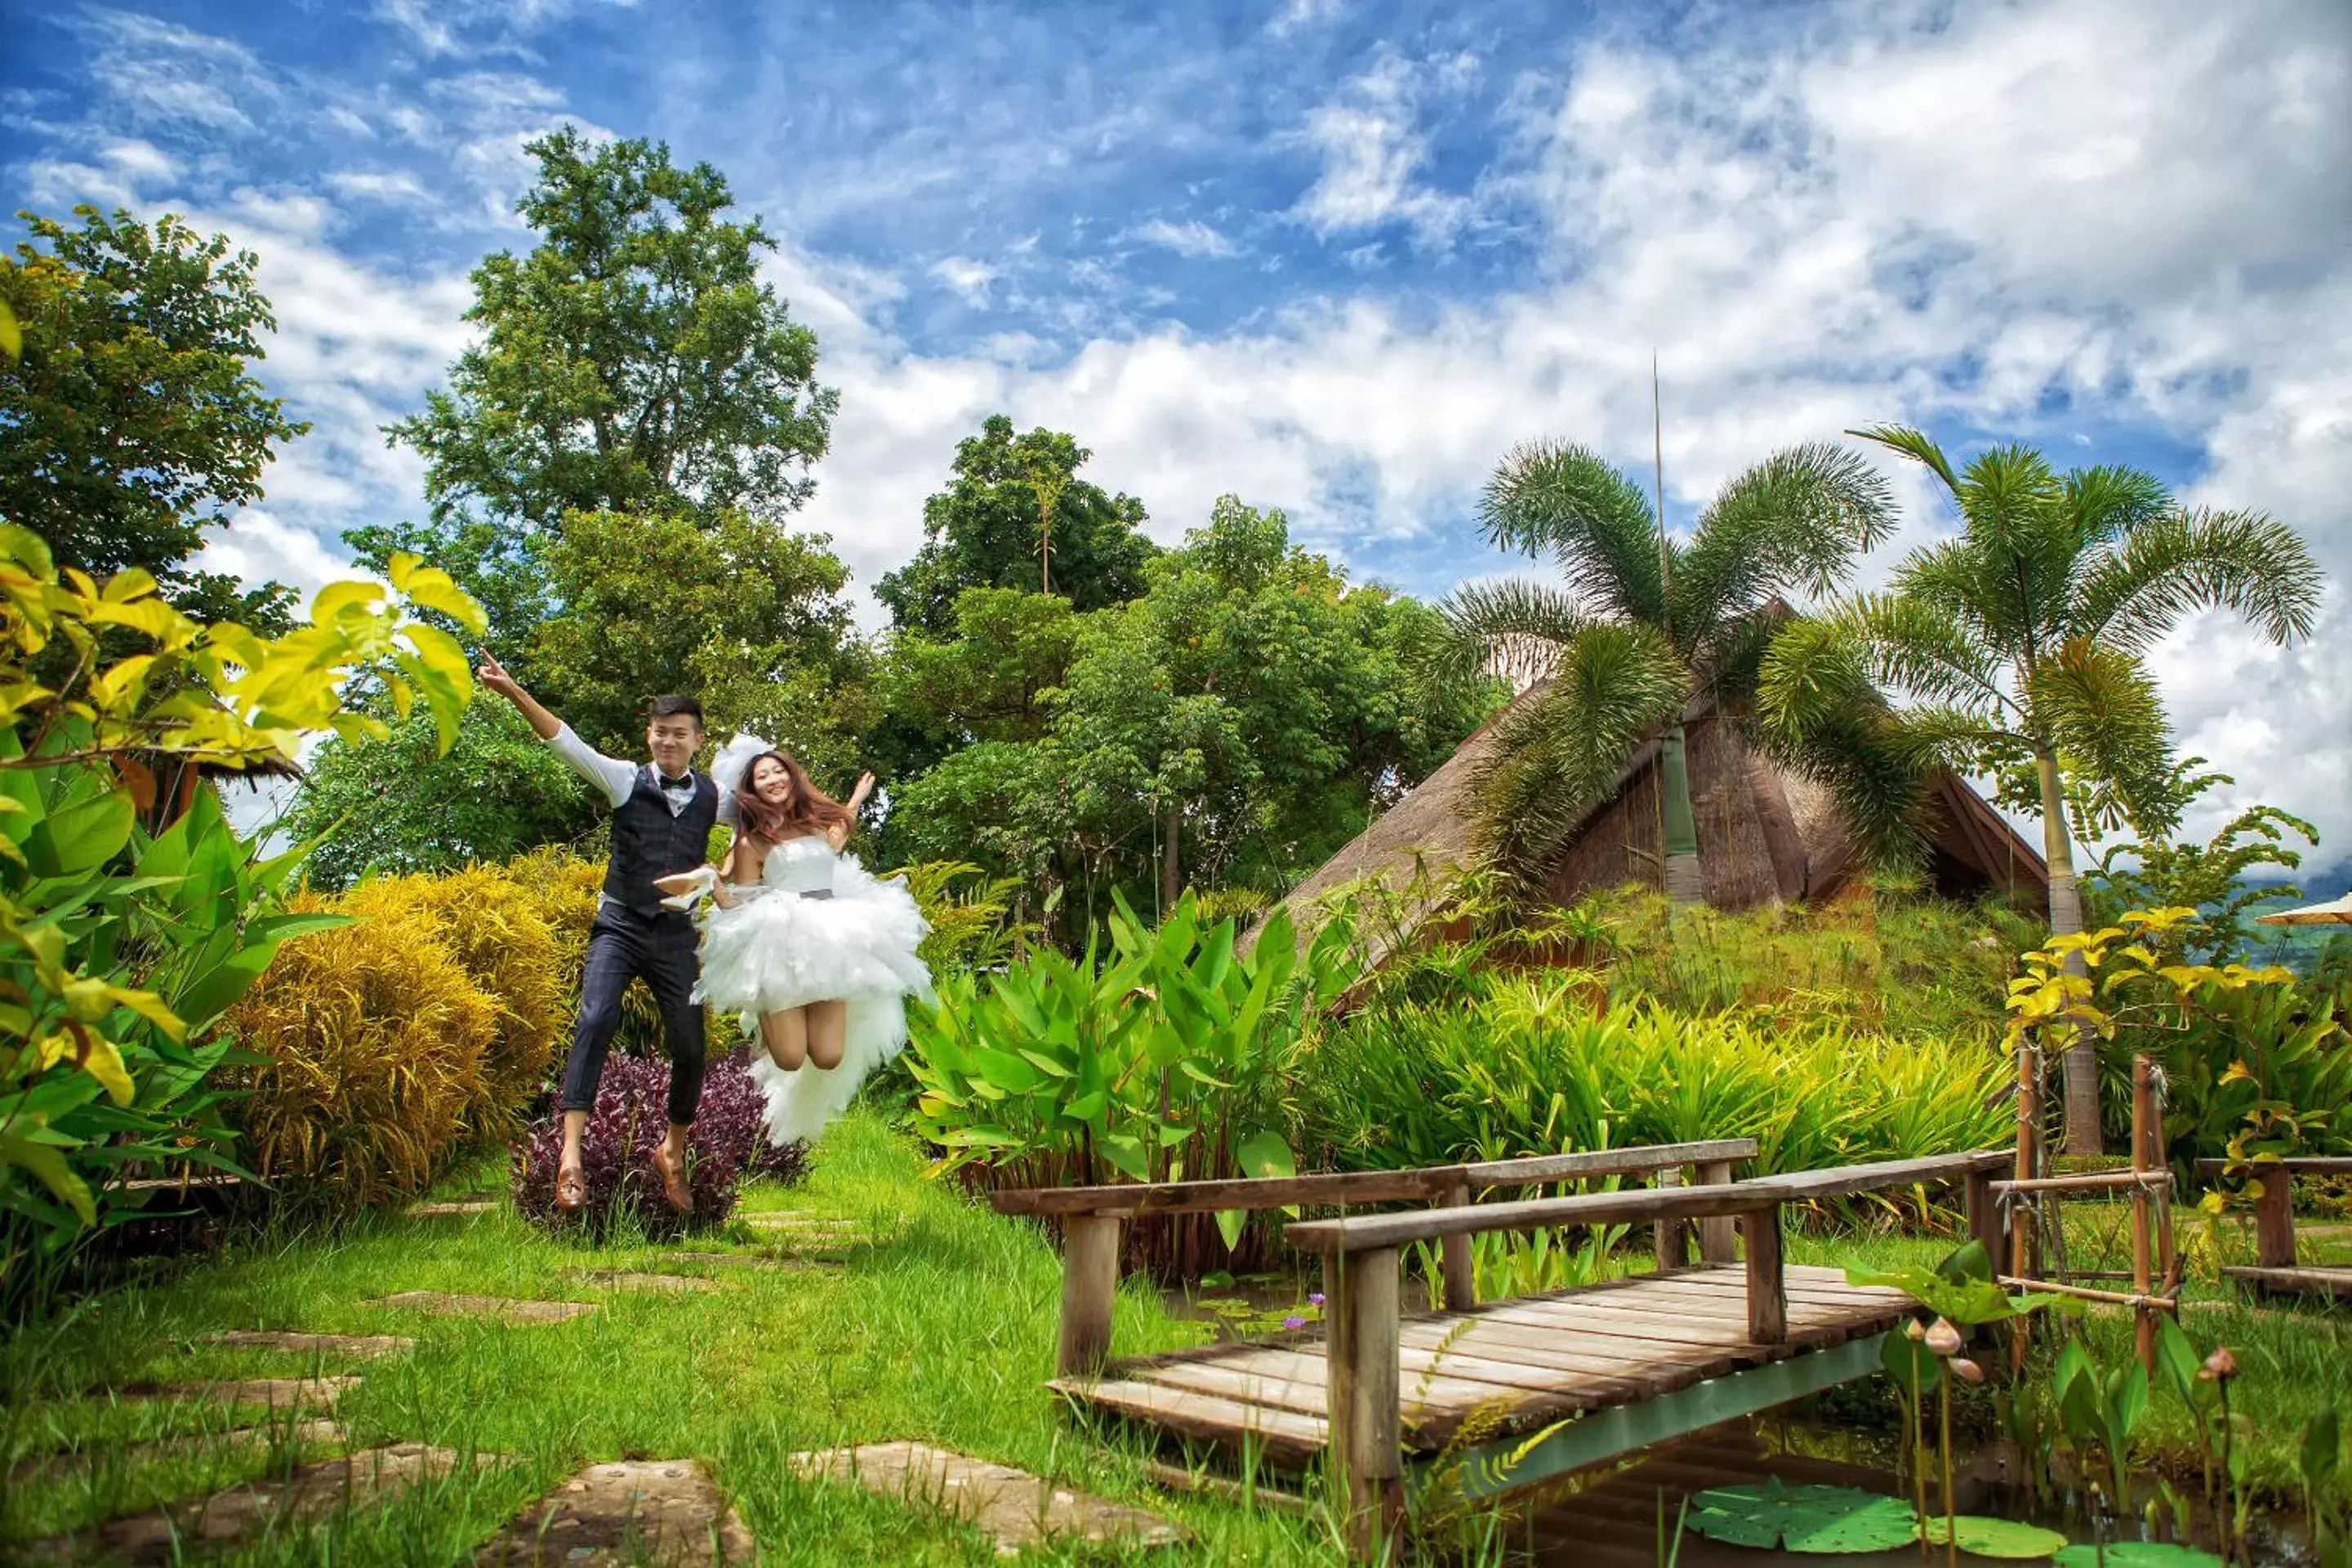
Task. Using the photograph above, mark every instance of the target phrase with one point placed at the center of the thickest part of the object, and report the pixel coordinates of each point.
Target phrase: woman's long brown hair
(811, 811)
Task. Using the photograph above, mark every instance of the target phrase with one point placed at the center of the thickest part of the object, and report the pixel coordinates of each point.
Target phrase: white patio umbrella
(2334, 912)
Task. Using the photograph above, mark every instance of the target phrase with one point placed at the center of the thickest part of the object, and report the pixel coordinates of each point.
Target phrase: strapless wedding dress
(815, 928)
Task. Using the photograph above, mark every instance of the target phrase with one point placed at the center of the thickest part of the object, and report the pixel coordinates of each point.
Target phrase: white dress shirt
(618, 780)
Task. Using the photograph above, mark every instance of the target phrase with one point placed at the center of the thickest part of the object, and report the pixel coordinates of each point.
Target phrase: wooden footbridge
(1504, 1393)
(2275, 1270)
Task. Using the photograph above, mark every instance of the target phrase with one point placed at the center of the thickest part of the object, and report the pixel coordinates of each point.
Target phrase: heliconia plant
(1169, 1059)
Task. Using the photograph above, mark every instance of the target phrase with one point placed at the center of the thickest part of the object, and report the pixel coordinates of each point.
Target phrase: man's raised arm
(615, 777)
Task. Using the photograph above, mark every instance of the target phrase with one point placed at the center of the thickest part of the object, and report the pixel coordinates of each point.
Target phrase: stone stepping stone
(661, 1511)
(273, 1393)
(310, 1493)
(751, 1260)
(794, 1219)
(628, 1279)
(444, 1303)
(333, 1345)
(56, 1467)
(1016, 1507)
(455, 1209)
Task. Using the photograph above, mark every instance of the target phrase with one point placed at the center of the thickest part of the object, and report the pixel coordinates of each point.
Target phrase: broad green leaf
(82, 836)
(47, 1162)
(1265, 1154)
(1808, 1519)
(2135, 1554)
(2001, 1538)
(1229, 1225)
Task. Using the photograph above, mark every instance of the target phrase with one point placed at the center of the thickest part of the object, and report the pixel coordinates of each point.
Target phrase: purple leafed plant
(617, 1149)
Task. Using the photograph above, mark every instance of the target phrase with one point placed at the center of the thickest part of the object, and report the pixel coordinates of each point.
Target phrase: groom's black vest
(650, 842)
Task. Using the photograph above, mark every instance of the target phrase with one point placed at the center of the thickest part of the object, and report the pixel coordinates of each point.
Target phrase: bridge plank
(1285, 1436)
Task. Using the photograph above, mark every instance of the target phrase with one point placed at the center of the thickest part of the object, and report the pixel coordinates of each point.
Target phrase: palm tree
(2021, 641)
(1639, 623)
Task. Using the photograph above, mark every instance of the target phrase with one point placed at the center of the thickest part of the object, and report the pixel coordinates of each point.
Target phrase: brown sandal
(674, 1186)
(570, 1190)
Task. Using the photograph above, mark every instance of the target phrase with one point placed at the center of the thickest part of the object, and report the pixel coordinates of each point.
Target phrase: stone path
(330, 1344)
(629, 1279)
(1017, 1508)
(455, 1209)
(312, 1492)
(275, 1393)
(450, 1305)
(663, 1512)
(56, 1467)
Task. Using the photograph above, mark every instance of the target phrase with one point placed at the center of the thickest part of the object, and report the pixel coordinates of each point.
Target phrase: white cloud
(391, 186)
(1296, 14)
(476, 27)
(1373, 149)
(1191, 237)
(967, 277)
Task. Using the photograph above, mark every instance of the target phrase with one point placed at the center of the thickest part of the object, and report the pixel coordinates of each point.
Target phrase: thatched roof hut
(1766, 835)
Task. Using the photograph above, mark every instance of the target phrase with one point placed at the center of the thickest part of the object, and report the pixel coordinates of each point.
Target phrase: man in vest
(663, 812)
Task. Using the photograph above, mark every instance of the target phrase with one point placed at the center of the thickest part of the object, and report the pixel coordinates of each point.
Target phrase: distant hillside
(2298, 947)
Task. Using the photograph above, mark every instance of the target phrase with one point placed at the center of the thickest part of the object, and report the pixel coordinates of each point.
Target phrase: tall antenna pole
(1658, 450)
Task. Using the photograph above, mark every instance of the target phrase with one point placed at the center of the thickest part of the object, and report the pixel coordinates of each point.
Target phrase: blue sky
(1335, 256)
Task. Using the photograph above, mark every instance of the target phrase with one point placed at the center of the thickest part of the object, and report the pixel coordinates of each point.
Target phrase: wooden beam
(1458, 1266)
(2298, 1165)
(2274, 1222)
(1089, 1286)
(1718, 1235)
(1844, 1181)
(1984, 1218)
(1768, 1294)
(1364, 1400)
(1633, 1162)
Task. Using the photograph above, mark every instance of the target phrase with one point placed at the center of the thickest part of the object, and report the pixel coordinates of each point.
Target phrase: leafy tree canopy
(399, 805)
(723, 609)
(631, 363)
(131, 421)
(983, 530)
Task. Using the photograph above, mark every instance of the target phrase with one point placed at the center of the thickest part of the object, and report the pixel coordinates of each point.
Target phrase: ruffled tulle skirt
(775, 950)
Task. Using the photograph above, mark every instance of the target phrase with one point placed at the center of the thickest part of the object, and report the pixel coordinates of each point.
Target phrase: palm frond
(1879, 782)
(1559, 752)
(1550, 497)
(2181, 561)
(1512, 626)
(2110, 502)
(1911, 643)
(1799, 520)
(1914, 445)
(2100, 704)
(1813, 672)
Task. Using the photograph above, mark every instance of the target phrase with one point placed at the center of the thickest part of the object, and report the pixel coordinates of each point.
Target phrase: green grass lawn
(939, 1327)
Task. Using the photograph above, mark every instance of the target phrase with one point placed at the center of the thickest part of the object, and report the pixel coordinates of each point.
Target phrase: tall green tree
(632, 364)
(1638, 623)
(2021, 641)
(1009, 496)
(739, 610)
(133, 422)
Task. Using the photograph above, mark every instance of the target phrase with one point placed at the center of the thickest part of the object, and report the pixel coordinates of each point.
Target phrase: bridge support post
(1364, 1400)
(1089, 1285)
(1673, 1236)
(1456, 1267)
(1719, 1238)
(1768, 1296)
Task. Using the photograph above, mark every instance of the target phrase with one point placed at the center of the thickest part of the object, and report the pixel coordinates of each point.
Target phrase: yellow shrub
(492, 925)
(372, 1038)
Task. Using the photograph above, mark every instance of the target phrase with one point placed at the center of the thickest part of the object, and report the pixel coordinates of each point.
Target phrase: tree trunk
(1678, 826)
(1171, 866)
(2065, 920)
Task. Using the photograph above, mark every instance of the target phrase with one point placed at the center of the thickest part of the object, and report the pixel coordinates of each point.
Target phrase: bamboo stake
(2143, 1229)
(2020, 1215)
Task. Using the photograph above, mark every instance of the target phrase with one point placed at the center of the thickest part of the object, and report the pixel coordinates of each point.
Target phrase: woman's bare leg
(828, 1032)
(786, 1035)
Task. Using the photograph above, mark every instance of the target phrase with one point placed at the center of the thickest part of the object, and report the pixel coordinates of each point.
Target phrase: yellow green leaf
(337, 597)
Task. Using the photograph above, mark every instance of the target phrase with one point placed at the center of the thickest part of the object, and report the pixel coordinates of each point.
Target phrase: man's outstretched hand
(493, 674)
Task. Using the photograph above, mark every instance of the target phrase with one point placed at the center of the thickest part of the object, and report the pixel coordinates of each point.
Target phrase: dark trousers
(624, 946)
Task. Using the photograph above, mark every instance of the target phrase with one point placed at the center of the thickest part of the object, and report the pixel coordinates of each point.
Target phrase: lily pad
(2137, 1554)
(1809, 1519)
(2004, 1538)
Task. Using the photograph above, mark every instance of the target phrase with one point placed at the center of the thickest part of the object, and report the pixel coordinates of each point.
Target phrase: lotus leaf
(2004, 1538)
(2137, 1554)
(1810, 1519)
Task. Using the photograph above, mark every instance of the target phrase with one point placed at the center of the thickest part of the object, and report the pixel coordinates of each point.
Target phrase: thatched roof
(1766, 835)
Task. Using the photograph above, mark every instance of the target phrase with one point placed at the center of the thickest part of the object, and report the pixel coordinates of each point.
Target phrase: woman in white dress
(813, 954)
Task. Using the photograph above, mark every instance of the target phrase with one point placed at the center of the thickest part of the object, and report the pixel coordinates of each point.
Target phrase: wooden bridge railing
(1362, 1320)
(2275, 1213)
(1092, 1216)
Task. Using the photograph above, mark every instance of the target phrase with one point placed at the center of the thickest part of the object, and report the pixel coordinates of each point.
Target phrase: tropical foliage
(1171, 1060)
(2213, 877)
(121, 947)
(1639, 623)
(2020, 643)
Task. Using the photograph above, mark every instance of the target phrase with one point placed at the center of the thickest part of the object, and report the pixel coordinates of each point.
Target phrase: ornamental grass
(371, 1039)
(493, 926)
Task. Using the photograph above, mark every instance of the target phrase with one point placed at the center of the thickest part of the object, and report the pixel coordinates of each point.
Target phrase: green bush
(1534, 1065)
(371, 1039)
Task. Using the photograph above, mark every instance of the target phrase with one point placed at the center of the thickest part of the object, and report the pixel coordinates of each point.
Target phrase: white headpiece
(735, 759)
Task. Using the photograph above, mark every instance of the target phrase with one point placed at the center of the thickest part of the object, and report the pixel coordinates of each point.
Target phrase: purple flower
(1294, 1322)
(1315, 1297)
